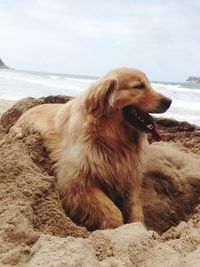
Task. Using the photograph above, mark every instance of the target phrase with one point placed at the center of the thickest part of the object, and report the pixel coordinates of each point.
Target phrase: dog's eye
(139, 86)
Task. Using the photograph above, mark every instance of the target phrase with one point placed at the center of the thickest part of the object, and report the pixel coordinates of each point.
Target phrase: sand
(5, 105)
(35, 231)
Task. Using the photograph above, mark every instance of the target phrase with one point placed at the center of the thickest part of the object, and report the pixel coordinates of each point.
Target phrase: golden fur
(97, 153)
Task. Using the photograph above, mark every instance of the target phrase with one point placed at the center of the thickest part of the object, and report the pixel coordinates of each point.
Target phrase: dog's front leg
(90, 207)
(133, 211)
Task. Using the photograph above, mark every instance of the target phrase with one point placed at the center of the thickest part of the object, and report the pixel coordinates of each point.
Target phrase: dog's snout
(166, 103)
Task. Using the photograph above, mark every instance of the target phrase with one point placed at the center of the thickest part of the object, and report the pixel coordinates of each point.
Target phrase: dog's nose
(166, 103)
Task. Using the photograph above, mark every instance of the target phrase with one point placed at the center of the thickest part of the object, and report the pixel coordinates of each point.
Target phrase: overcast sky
(90, 37)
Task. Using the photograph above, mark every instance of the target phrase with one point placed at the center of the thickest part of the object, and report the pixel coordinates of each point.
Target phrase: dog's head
(128, 91)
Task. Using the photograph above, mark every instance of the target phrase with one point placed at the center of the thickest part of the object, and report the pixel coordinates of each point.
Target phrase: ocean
(15, 85)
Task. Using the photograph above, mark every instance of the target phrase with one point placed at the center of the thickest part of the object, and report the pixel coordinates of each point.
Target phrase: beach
(111, 179)
(35, 231)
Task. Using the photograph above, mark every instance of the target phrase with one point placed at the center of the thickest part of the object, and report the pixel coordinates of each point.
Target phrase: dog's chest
(115, 170)
(118, 170)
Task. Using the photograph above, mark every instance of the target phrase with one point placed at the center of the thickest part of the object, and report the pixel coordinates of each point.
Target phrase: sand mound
(35, 231)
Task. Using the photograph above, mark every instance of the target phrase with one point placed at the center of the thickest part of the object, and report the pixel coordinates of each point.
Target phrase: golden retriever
(96, 142)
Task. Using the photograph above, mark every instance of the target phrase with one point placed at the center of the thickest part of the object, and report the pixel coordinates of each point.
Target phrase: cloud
(89, 37)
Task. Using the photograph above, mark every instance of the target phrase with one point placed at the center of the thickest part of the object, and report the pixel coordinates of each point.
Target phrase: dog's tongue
(143, 120)
(155, 132)
(149, 120)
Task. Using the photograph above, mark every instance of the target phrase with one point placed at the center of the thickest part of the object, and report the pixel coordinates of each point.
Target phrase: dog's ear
(101, 97)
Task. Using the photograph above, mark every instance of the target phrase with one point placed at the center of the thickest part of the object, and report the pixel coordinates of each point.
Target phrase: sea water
(15, 85)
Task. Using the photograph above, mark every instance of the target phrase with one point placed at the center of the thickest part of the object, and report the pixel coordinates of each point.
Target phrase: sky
(160, 37)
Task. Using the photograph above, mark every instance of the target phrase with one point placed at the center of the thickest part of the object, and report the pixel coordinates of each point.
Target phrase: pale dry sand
(35, 231)
(5, 104)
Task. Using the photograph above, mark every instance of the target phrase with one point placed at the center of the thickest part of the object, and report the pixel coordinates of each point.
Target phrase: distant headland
(193, 79)
(2, 65)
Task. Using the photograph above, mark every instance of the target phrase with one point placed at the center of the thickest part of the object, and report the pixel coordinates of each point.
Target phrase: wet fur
(97, 153)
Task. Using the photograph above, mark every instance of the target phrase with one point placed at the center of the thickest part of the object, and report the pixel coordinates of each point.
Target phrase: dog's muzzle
(165, 104)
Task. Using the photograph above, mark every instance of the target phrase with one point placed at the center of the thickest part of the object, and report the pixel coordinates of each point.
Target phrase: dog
(96, 142)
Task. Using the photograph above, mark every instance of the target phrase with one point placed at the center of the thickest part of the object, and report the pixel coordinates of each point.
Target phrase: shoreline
(16, 85)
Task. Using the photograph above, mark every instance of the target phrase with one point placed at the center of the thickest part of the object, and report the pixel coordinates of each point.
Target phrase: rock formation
(2, 65)
(193, 79)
